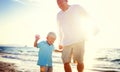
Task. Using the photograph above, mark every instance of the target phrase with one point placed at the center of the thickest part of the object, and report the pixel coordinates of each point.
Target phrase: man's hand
(60, 47)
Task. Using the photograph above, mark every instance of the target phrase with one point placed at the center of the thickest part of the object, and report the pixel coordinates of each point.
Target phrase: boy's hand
(37, 37)
(60, 47)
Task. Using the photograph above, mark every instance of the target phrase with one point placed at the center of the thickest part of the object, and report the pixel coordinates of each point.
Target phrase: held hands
(60, 47)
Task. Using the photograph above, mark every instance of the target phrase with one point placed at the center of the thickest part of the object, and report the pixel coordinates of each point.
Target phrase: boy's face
(50, 40)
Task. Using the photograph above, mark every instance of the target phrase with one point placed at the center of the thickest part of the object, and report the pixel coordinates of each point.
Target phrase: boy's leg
(50, 69)
(43, 69)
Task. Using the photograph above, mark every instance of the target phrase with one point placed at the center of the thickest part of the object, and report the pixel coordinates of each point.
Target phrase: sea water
(103, 60)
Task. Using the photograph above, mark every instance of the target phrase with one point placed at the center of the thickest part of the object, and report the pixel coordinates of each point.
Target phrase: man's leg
(67, 67)
(80, 67)
(78, 55)
(66, 57)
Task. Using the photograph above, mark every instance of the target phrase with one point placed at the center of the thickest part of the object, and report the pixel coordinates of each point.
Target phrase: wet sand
(7, 67)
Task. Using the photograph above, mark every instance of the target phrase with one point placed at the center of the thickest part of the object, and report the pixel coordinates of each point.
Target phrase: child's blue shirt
(45, 54)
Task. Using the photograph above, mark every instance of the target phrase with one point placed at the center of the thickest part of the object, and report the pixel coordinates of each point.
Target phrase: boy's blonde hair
(51, 34)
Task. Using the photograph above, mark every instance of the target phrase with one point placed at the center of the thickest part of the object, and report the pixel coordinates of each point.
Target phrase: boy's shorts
(47, 68)
(75, 50)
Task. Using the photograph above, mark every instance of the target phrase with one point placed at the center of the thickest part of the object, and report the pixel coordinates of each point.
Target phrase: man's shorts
(75, 50)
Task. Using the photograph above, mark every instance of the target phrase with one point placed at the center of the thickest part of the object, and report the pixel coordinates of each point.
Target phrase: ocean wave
(104, 70)
(19, 51)
(115, 60)
(18, 58)
(10, 57)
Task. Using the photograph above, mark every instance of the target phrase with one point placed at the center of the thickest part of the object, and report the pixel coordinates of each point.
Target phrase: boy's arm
(58, 50)
(35, 43)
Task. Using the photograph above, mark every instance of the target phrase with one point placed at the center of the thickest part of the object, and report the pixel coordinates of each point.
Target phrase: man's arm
(82, 11)
(60, 32)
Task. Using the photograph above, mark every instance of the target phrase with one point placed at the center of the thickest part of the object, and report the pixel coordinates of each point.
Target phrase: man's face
(61, 3)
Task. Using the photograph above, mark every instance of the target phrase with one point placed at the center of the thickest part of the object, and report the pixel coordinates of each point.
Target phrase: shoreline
(12, 67)
(12, 63)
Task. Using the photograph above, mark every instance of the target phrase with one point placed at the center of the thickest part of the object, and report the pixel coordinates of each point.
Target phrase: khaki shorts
(75, 50)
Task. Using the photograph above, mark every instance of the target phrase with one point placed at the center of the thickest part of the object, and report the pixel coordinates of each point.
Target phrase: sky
(20, 20)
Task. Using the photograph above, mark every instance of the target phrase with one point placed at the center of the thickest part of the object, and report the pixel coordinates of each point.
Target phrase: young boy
(45, 52)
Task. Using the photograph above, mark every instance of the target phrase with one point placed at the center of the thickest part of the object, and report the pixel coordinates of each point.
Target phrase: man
(72, 35)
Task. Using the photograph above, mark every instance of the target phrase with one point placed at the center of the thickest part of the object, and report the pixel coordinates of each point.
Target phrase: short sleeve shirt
(45, 54)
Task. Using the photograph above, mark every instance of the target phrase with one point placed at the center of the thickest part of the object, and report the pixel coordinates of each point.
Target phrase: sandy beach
(13, 65)
(7, 67)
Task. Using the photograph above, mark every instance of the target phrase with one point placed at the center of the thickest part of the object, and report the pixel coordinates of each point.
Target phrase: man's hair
(66, 0)
(51, 34)
(63, 0)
